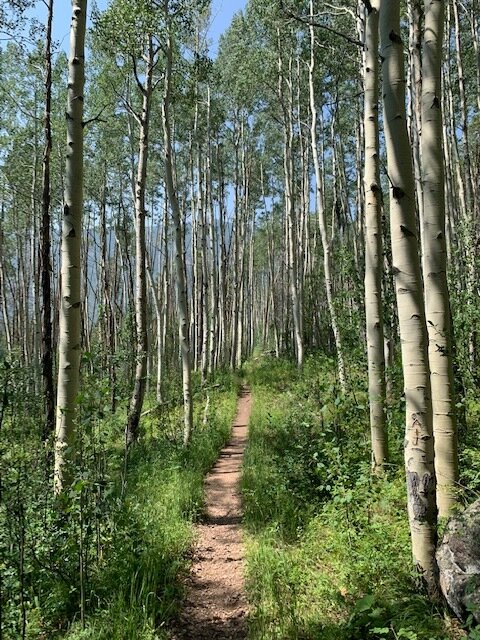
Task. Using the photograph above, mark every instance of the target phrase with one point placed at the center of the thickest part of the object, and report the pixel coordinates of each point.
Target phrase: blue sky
(222, 13)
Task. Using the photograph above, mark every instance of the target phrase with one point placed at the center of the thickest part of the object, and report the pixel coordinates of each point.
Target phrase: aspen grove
(292, 205)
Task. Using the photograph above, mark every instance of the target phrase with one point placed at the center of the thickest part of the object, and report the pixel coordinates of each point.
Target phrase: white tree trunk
(322, 222)
(285, 94)
(419, 461)
(437, 305)
(69, 348)
(374, 247)
(179, 257)
(138, 394)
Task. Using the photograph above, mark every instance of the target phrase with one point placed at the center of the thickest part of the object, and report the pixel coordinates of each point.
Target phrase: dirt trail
(215, 606)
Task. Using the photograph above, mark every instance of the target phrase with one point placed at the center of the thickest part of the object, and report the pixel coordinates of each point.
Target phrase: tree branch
(135, 73)
(313, 23)
(96, 118)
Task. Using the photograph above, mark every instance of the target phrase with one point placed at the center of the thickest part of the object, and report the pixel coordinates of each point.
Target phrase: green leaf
(365, 603)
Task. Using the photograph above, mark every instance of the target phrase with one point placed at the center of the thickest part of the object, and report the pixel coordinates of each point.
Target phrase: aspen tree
(470, 190)
(285, 95)
(136, 402)
(222, 266)
(450, 192)
(452, 149)
(241, 177)
(162, 306)
(213, 323)
(470, 182)
(242, 243)
(108, 293)
(437, 305)
(475, 32)
(177, 221)
(3, 288)
(419, 460)
(271, 265)
(322, 221)
(415, 15)
(374, 245)
(69, 347)
(194, 326)
(206, 292)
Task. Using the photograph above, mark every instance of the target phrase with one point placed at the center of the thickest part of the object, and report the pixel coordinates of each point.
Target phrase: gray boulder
(458, 558)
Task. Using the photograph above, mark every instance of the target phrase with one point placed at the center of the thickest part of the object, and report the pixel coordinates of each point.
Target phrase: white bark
(322, 222)
(179, 257)
(419, 461)
(285, 94)
(136, 401)
(69, 348)
(435, 264)
(374, 247)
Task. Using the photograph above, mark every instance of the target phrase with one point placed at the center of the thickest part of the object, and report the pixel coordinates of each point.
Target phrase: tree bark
(286, 102)
(321, 212)
(69, 348)
(45, 245)
(419, 460)
(136, 401)
(179, 258)
(374, 247)
(437, 304)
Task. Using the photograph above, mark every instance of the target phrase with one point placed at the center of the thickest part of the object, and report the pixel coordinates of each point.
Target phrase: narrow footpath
(215, 606)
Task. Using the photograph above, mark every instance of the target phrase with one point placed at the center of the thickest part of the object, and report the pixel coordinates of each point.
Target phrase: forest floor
(215, 605)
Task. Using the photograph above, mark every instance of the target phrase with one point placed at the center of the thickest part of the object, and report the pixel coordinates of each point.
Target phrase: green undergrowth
(128, 527)
(328, 546)
(151, 541)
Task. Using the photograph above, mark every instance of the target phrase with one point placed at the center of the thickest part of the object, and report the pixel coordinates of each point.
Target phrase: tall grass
(328, 546)
(139, 585)
(128, 527)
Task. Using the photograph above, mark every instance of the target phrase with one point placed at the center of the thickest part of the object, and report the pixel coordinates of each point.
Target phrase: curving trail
(215, 606)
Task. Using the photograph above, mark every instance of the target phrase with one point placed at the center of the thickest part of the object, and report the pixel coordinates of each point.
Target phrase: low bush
(328, 545)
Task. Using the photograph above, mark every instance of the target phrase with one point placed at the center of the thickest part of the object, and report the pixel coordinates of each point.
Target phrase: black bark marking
(368, 6)
(406, 231)
(418, 491)
(394, 37)
(398, 193)
(71, 233)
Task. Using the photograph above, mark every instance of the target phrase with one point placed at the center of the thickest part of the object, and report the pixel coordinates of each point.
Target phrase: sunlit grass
(139, 584)
(328, 546)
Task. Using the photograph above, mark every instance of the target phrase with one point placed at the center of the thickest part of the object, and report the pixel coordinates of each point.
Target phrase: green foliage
(113, 550)
(328, 546)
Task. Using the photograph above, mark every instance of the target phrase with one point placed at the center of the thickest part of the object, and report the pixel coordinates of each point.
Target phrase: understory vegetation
(328, 549)
(328, 544)
(110, 564)
(176, 208)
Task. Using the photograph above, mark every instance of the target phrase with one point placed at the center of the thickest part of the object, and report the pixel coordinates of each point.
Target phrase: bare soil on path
(215, 606)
